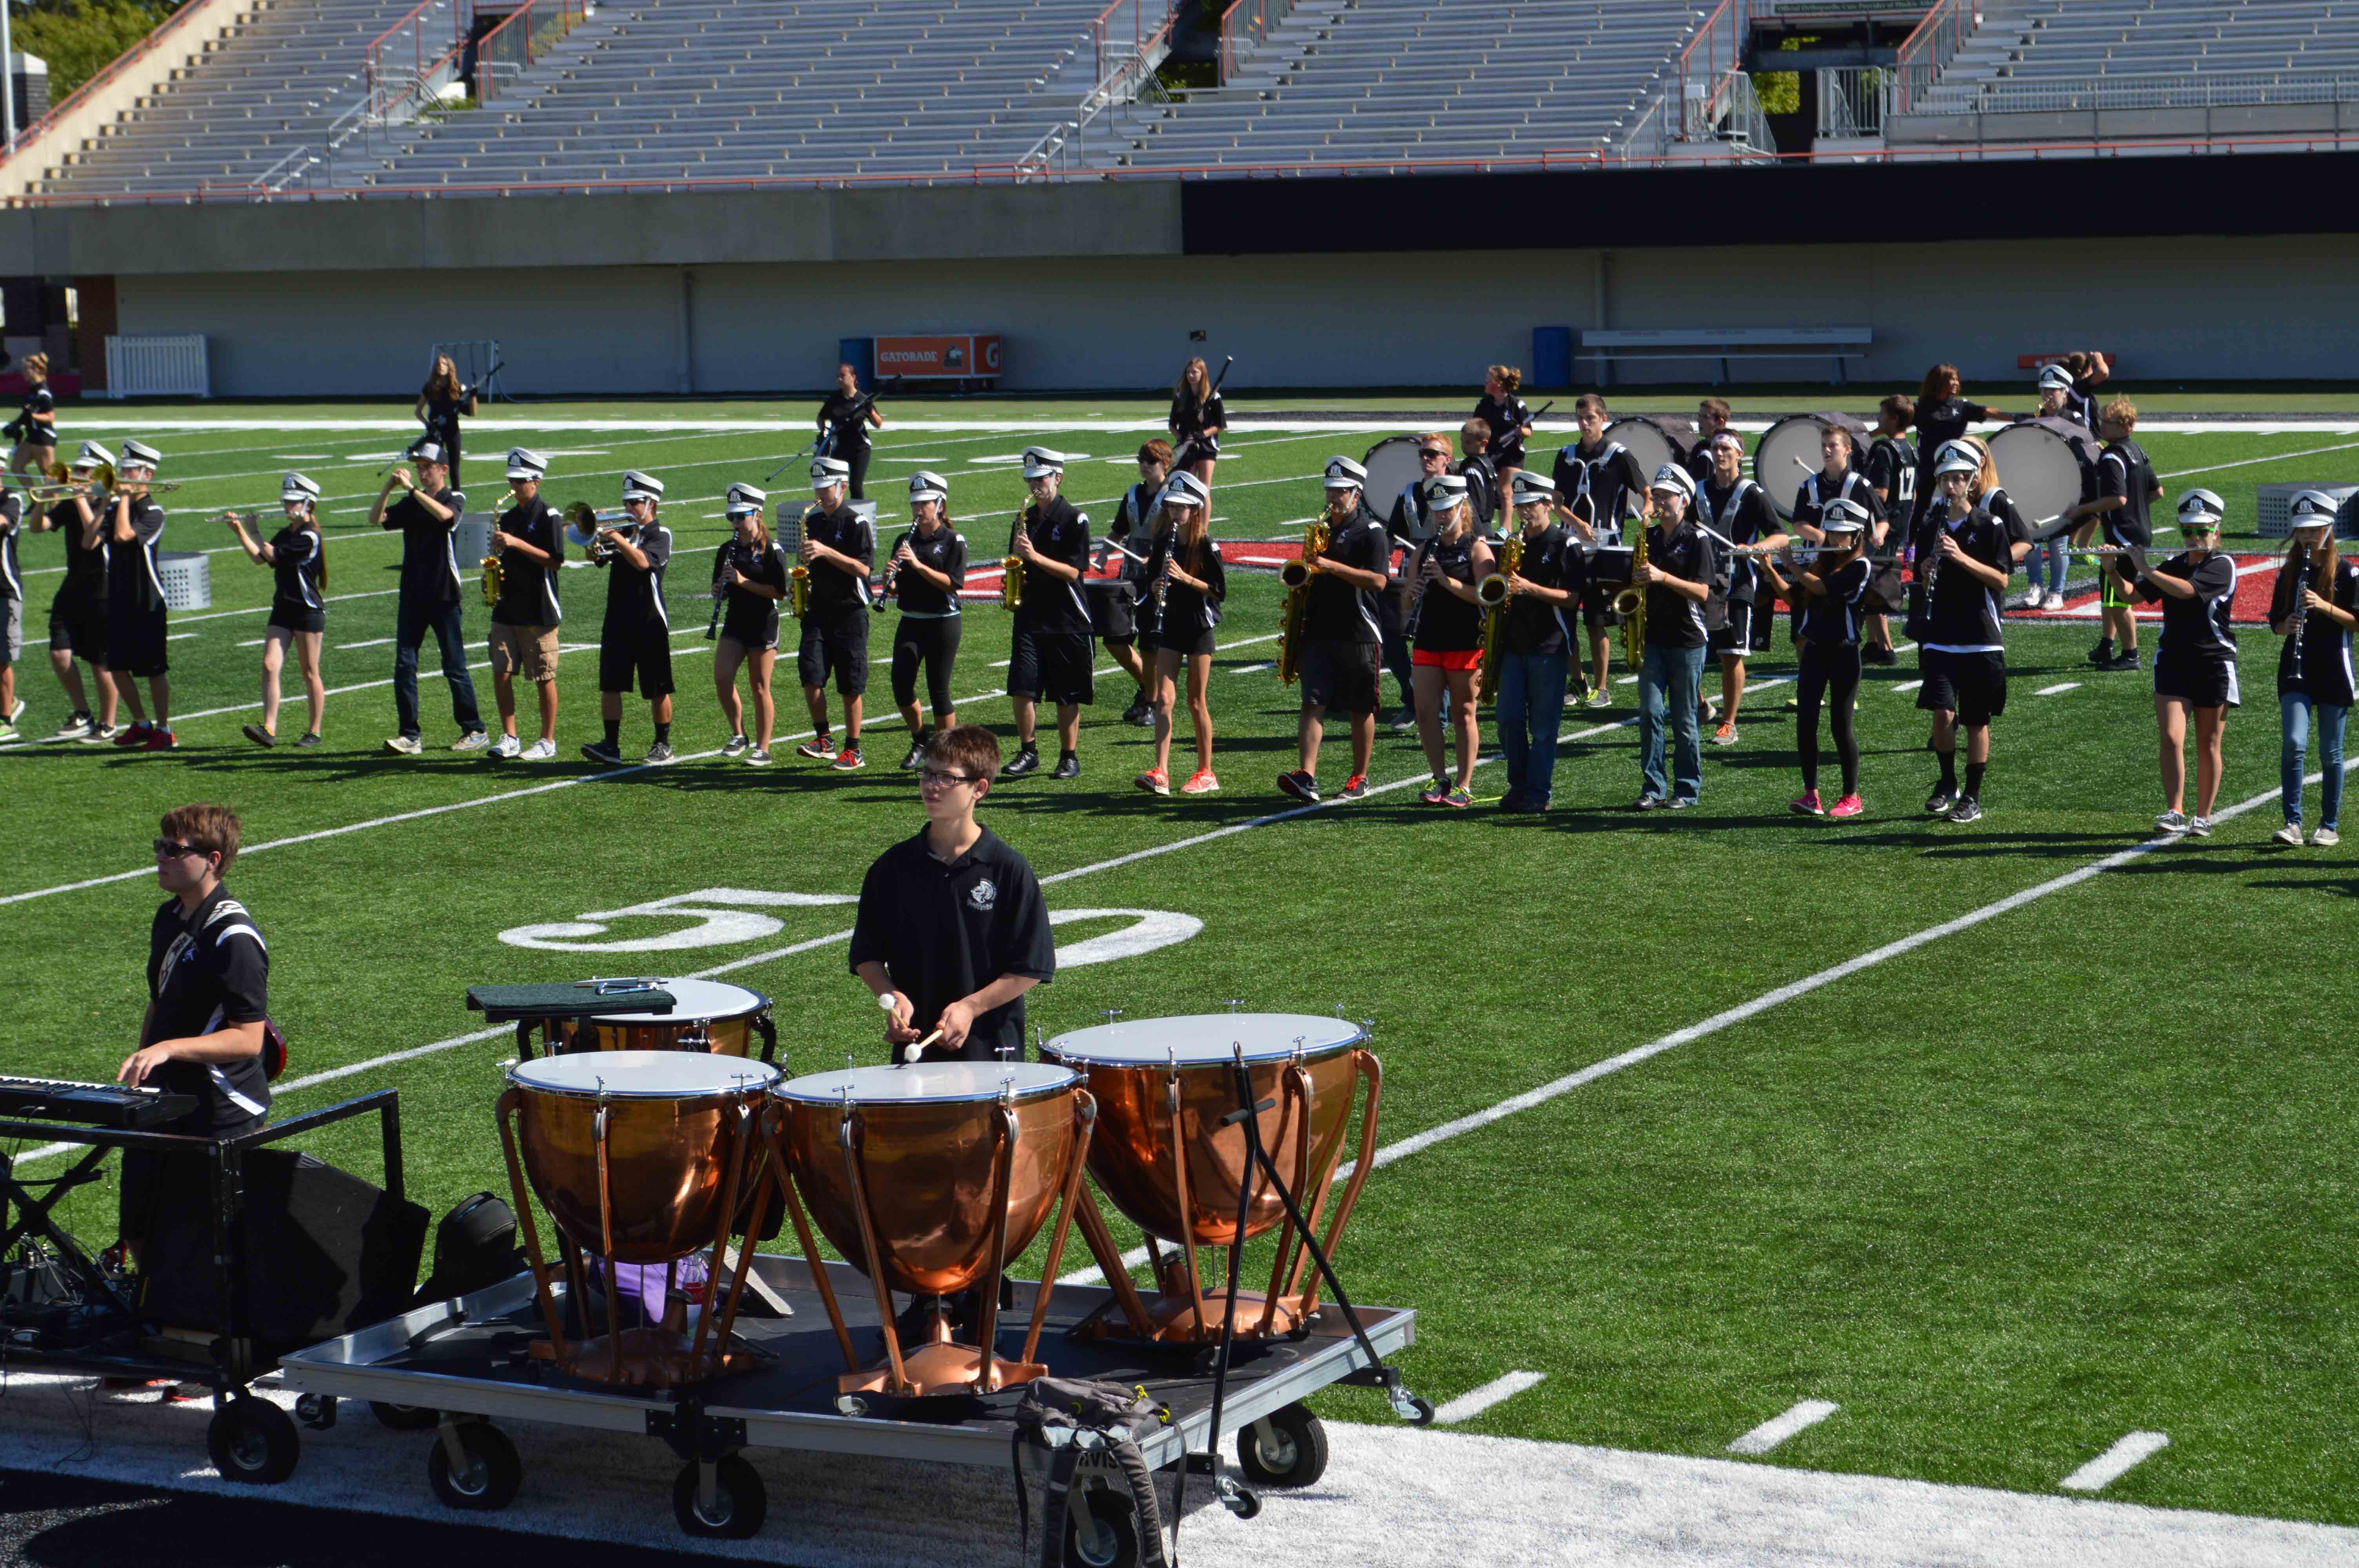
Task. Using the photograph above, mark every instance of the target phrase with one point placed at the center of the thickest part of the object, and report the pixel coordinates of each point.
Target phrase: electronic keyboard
(117, 1106)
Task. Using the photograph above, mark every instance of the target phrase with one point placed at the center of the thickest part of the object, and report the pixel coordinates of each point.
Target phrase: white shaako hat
(637, 486)
(1531, 486)
(91, 455)
(526, 463)
(1039, 462)
(1675, 480)
(1444, 491)
(826, 472)
(1185, 489)
(744, 498)
(1843, 516)
(927, 485)
(1958, 457)
(140, 454)
(2313, 509)
(2201, 509)
(1342, 474)
(2054, 378)
(299, 487)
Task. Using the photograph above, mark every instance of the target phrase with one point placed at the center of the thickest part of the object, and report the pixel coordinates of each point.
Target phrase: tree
(79, 38)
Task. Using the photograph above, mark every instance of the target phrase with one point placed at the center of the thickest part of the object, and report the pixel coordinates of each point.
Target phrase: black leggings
(932, 642)
(858, 460)
(1831, 673)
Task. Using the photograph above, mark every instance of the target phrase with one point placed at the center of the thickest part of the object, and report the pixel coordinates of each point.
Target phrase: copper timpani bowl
(929, 1143)
(705, 1015)
(671, 1121)
(1130, 1067)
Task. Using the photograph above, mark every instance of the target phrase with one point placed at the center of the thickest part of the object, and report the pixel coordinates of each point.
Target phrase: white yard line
(2248, 462)
(1777, 1429)
(372, 643)
(2115, 1462)
(1908, 686)
(2059, 685)
(1474, 1402)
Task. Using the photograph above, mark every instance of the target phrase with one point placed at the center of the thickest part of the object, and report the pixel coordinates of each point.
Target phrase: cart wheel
(252, 1441)
(1286, 1448)
(1101, 1528)
(1424, 1408)
(1244, 1504)
(739, 1501)
(403, 1418)
(492, 1474)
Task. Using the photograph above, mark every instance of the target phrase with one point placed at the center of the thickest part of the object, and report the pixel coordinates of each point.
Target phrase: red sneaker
(1806, 804)
(1849, 806)
(1201, 782)
(1153, 781)
(161, 740)
(135, 735)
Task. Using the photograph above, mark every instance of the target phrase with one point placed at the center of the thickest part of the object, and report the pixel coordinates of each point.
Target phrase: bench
(1724, 343)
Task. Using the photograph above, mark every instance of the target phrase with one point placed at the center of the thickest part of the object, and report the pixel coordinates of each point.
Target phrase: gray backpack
(1072, 1418)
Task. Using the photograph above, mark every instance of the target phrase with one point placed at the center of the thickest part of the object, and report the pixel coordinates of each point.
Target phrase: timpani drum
(1392, 468)
(1653, 440)
(637, 1157)
(930, 1178)
(705, 1015)
(2045, 466)
(1167, 1157)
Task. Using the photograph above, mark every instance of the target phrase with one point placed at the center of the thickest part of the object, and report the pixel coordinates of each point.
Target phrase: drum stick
(911, 1053)
(1803, 464)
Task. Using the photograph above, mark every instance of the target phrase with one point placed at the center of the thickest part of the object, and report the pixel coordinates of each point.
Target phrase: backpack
(1070, 1417)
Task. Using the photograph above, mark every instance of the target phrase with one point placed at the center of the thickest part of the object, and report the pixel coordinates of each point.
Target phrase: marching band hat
(1958, 457)
(637, 486)
(927, 485)
(140, 454)
(1039, 462)
(91, 455)
(1186, 490)
(2311, 509)
(426, 450)
(1675, 479)
(1531, 486)
(2055, 377)
(745, 498)
(1843, 516)
(526, 463)
(1444, 490)
(299, 487)
(1342, 474)
(829, 471)
(2200, 509)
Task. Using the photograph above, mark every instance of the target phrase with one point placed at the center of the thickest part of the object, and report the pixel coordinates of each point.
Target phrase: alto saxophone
(492, 573)
(1296, 576)
(1631, 605)
(1011, 570)
(799, 575)
(1493, 593)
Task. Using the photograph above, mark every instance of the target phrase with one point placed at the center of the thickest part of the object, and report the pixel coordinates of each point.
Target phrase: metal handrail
(1131, 78)
(565, 15)
(1929, 46)
(2161, 90)
(1254, 17)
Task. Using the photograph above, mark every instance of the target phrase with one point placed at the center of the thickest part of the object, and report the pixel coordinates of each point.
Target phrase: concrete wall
(2263, 308)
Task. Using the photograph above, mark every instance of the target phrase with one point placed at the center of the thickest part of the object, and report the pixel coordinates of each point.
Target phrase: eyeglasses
(1433, 452)
(171, 849)
(942, 779)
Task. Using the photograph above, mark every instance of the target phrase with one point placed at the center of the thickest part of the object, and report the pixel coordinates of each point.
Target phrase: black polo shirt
(943, 932)
(298, 562)
(635, 603)
(1963, 612)
(207, 971)
(945, 552)
(2317, 663)
(132, 577)
(85, 564)
(847, 419)
(2123, 470)
(12, 512)
(2196, 631)
(430, 561)
(1673, 619)
(1892, 468)
(1062, 533)
(528, 587)
(1551, 560)
(1186, 611)
(1506, 416)
(752, 619)
(1335, 610)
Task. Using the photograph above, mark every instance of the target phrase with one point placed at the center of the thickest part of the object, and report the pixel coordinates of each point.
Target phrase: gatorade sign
(957, 356)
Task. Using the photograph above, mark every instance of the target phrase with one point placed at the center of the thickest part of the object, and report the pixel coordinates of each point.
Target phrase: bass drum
(2045, 466)
(1653, 440)
(1789, 453)
(1392, 468)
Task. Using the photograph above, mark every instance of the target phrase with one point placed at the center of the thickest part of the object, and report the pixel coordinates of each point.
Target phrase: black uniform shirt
(1187, 611)
(1482, 476)
(1201, 424)
(1052, 604)
(635, 603)
(1810, 498)
(1832, 619)
(1964, 612)
(2317, 663)
(1551, 560)
(945, 552)
(1892, 468)
(131, 579)
(1601, 482)
(1445, 622)
(751, 619)
(1506, 416)
(1673, 619)
(528, 587)
(2001, 506)
(85, 564)
(296, 557)
(429, 559)
(833, 589)
(2123, 470)
(207, 971)
(12, 512)
(2195, 630)
(944, 932)
(442, 419)
(1335, 612)
(1741, 511)
(847, 424)
(40, 400)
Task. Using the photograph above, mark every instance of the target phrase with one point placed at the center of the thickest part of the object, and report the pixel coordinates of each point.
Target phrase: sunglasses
(172, 850)
(943, 779)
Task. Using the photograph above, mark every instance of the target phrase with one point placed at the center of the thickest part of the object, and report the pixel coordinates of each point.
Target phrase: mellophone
(932, 1178)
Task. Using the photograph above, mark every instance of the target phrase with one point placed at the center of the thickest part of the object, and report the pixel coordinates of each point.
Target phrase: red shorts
(1447, 659)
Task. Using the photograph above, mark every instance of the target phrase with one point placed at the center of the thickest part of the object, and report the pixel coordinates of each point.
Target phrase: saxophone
(1631, 605)
(1296, 576)
(1011, 570)
(492, 572)
(799, 575)
(1493, 593)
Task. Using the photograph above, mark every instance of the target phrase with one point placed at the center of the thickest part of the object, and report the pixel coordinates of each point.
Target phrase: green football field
(2017, 1181)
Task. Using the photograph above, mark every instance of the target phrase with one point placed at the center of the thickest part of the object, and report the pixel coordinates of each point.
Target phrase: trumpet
(585, 523)
(1011, 570)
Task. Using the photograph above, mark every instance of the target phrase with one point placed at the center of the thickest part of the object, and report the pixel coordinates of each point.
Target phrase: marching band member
(1536, 644)
(839, 549)
(1598, 483)
(1838, 475)
(1892, 475)
(1739, 511)
(1198, 419)
(78, 610)
(634, 639)
(439, 403)
(1962, 656)
(1341, 632)
(1409, 522)
(928, 570)
(2194, 659)
(2088, 370)
(12, 611)
(35, 425)
(2127, 489)
(1186, 568)
(527, 537)
(845, 419)
(131, 524)
(752, 576)
(2044, 565)
(297, 559)
(1481, 474)
(1051, 655)
(430, 595)
(2315, 609)
(1941, 416)
(1447, 651)
(1509, 422)
(1134, 647)
(1711, 418)
(1682, 561)
(1831, 594)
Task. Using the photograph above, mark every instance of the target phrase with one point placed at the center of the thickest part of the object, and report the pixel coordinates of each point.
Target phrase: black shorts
(932, 641)
(751, 629)
(1736, 634)
(78, 626)
(835, 642)
(1341, 675)
(1972, 685)
(1054, 667)
(297, 617)
(135, 640)
(645, 654)
(1112, 610)
(1190, 644)
(2198, 682)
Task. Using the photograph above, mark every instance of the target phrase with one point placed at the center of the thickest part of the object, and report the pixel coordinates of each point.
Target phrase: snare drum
(705, 1015)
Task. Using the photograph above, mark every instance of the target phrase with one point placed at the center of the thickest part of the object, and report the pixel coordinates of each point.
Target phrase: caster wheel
(404, 1418)
(1101, 1528)
(1287, 1448)
(739, 1501)
(1246, 1504)
(490, 1478)
(317, 1411)
(253, 1441)
(1424, 1408)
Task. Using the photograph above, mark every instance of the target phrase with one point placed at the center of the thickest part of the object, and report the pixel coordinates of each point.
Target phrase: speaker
(326, 1252)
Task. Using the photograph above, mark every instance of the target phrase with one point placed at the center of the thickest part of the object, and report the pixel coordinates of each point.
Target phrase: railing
(1926, 51)
(508, 51)
(1707, 67)
(1851, 102)
(1130, 78)
(2163, 90)
(1123, 28)
(425, 43)
(1244, 25)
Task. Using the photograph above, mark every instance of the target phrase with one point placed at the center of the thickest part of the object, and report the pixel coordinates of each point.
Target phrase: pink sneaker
(1806, 804)
(1849, 806)
(1153, 781)
(1201, 782)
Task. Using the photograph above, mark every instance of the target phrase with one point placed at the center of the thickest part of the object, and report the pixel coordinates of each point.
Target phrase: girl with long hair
(1198, 417)
(1446, 651)
(37, 422)
(439, 403)
(752, 575)
(1941, 418)
(298, 612)
(2315, 609)
(1185, 565)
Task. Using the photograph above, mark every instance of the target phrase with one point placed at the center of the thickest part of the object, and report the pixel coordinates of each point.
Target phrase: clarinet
(2301, 609)
(721, 562)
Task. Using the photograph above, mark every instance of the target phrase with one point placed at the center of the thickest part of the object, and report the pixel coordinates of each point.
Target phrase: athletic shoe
(2289, 834)
(1849, 806)
(1680, 802)
(1026, 760)
(16, 712)
(1646, 803)
(1529, 805)
(260, 736)
(2171, 822)
(599, 751)
(1512, 801)
(2102, 653)
(1794, 703)
(309, 738)
(101, 733)
(2033, 598)
(1153, 781)
(7, 731)
(403, 745)
(1600, 697)
(849, 760)
(1302, 786)
(1968, 809)
(658, 753)
(915, 758)
(1875, 656)
(759, 757)
(2201, 826)
(539, 752)
(1806, 804)
(78, 728)
(2325, 838)
(1432, 794)
(1201, 782)
(1725, 736)
(735, 746)
(819, 749)
(1068, 766)
(1140, 711)
(473, 740)
(1577, 692)
(1355, 787)
(136, 735)
(1458, 799)
(161, 740)
(506, 748)
(1405, 721)
(1938, 804)
(2132, 660)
